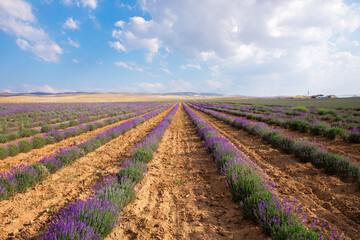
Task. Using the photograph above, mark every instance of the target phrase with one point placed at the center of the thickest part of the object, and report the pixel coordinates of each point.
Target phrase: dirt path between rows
(36, 154)
(326, 196)
(26, 215)
(338, 146)
(183, 196)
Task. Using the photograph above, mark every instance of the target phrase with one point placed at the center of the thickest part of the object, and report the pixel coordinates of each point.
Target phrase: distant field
(322, 103)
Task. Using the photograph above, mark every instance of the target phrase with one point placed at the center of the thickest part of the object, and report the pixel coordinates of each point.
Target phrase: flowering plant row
(18, 117)
(53, 136)
(75, 120)
(24, 176)
(97, 215)
(249, 186)
(28, 132)
(342, 117)
(300, 122)
(304, 150)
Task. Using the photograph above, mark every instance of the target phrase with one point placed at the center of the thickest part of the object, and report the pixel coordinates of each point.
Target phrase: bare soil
(327, 197)
(26, 215)
(183, 196)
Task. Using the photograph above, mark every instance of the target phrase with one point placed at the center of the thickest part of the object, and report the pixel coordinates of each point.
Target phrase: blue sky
(257, 48)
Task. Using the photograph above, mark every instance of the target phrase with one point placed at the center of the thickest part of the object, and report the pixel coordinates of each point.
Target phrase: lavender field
(179, 120)
(98, 170)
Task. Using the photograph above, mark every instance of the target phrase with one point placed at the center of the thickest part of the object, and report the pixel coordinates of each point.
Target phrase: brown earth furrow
(183, 196)
(338, 146)
(322, 195)
(26, 215)
(36, 154)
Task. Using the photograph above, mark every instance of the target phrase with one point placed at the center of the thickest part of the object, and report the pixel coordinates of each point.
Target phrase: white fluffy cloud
(118, 46)
(35, 88)
(73, 43)
(16, 18)
(117, 34)
(283, 40)
(191, 66)
(130, 65)
(70, 23)
(245, 29)
(119, 24)
(136, 36)
(89, 3)
(167, 71)
(84, 3)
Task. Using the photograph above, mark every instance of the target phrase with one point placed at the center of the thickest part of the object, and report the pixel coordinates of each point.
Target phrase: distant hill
(4, 94)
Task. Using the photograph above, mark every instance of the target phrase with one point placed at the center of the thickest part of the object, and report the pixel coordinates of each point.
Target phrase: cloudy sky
(249, 47)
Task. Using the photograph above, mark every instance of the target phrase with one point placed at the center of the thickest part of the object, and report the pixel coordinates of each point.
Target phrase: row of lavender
(302, 123)
(249, 186)
(53, 136)
(29, 127)
(32, 115)
(28, 132)
(304, 150)
(340, 117)
(18, 111)
(96, 216)
(24, 176)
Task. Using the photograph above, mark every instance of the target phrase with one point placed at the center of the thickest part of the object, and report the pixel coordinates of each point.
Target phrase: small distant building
(318, 96)
(330, 96)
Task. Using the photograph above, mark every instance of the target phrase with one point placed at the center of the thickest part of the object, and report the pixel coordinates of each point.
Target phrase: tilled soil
(338, 146)
(26, 215)
(36, 154)
(183, 196)
(322, 195)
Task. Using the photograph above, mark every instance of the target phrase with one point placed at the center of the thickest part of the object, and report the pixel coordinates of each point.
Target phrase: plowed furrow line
(26, 215)
(322, 195)
(183, 196)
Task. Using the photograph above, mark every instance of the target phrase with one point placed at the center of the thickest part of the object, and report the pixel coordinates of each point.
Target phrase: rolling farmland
(178, 170)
